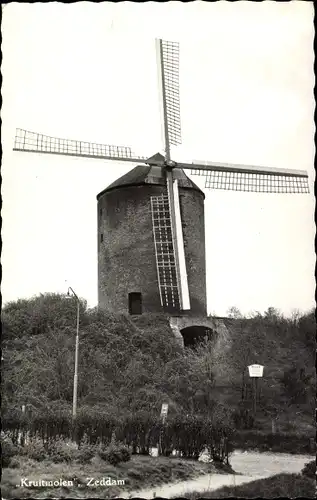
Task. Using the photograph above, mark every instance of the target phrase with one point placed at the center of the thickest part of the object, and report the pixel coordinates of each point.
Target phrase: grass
(139, 472)
(282, 485)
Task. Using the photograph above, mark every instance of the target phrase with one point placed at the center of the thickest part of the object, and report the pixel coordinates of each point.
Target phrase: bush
(35, 450)
(58, 450)
(61, 450)
(8, 450)
(192, 434)
(310, 469)
(115, 453)
(125, 453)
(85, 453)
(14, 463)
(243, 419)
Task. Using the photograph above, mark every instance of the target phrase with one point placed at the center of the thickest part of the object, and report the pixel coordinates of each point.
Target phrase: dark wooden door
(135, 303)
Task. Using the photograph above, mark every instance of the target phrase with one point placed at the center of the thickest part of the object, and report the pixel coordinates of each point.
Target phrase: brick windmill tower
(151, 230)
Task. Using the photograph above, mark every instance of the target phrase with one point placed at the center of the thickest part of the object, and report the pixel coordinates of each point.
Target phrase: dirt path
(252, 466)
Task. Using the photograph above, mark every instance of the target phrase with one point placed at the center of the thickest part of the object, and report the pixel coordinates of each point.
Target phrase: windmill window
(101, 237)
(100, 212)
(135, 303)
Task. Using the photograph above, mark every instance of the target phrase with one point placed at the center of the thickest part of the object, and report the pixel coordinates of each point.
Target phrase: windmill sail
(168, 69)
(249, 178)
(164, 253)
(38, 143)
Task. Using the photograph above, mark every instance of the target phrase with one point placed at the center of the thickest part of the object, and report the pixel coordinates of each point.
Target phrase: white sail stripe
(181, 251)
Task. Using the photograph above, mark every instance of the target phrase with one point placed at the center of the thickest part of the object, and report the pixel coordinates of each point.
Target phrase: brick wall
(126, 257)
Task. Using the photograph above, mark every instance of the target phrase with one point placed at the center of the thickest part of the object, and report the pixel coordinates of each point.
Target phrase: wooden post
(243, 387)
(163, 416)
(255, 387)
(273, 426)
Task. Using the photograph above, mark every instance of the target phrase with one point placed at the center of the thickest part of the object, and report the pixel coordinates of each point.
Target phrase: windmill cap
(144, 175)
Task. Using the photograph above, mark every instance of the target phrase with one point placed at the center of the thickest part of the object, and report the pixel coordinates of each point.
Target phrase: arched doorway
(193, 335)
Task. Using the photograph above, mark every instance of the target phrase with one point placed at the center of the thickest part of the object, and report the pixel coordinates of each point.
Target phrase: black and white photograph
(158, 260)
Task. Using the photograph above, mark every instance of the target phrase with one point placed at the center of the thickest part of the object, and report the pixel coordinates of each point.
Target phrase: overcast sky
(87, 71)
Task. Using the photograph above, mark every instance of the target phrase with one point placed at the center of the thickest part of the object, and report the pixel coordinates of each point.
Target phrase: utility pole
(75, 389)
(70, 292)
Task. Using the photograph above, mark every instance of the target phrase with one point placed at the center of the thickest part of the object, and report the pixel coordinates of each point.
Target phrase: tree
(296, 384)
(234, 312)
(125, 363)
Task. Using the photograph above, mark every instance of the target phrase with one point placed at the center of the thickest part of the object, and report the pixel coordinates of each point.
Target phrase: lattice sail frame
(170, 53)
(38, 143)
(254, 182)
(167, 53)
(164, 252)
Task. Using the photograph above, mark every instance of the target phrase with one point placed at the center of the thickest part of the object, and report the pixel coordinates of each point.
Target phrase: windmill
(167, 224)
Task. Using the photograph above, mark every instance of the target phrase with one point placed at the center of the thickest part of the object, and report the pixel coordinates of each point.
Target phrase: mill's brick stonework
(126, 254)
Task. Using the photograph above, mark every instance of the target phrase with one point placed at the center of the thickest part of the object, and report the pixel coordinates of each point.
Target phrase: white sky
(87, 71)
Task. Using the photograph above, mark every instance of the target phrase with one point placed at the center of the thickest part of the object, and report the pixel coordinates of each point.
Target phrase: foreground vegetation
(125, 364)
(128, 367)
(279, 486)
(140, 472)
(129, 364)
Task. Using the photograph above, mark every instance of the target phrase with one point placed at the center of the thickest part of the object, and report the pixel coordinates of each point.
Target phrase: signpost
(255, 372)
(21, 434)
(164, 411)
(163, 416)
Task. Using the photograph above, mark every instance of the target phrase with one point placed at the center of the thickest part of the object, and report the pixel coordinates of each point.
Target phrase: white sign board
(164, 410)
(256, 370)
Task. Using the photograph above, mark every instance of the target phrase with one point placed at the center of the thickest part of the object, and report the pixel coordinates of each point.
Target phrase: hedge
(139, 431)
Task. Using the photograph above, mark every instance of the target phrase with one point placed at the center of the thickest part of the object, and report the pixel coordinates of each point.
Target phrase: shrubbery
(85, 452)
(243, 419)
(57, 450)
(60, 450)
(14, 463)
(138, 431)
(310, 469)
(133, 364)
(115, 453)
(8, 451)
(35, 450)
(63, 450)
(129, 366)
